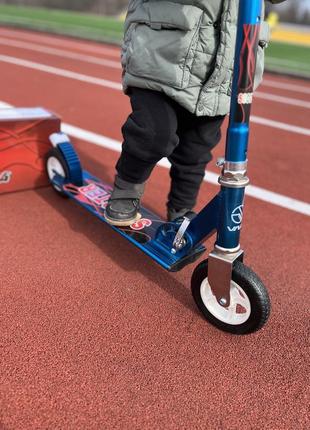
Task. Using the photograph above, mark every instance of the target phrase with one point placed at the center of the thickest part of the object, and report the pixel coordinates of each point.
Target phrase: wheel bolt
(223, 301)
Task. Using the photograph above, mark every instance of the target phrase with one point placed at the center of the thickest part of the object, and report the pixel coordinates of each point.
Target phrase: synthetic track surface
(96, 336)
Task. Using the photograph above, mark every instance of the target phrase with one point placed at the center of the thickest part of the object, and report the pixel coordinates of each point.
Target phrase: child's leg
(198, 136)
(149, 135)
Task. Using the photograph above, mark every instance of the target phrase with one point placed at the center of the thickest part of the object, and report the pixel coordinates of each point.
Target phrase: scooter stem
(233, 178)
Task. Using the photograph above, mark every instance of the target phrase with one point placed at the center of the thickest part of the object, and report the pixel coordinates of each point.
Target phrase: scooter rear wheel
(55, 164)
(249, 307)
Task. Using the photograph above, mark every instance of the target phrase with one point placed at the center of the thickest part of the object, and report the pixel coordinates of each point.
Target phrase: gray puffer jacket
(185, 48)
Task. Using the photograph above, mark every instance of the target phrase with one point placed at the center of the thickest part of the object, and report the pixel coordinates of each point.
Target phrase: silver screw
(223, 301)
(220, 162)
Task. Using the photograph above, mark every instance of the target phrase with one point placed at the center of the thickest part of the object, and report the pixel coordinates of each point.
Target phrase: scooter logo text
(141, 224)
(5, 177)
(245, 98)
(236, 217)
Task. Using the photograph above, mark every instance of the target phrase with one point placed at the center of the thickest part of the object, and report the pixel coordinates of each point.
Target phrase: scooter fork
(222, 258)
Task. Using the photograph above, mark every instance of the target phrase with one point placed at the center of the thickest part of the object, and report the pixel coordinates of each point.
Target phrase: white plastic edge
(57, 138)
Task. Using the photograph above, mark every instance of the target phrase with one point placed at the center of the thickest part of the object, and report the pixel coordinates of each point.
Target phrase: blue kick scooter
(228, 293)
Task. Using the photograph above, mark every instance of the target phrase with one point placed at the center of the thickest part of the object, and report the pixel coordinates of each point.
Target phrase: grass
(280, 57)
(284, 57)
(94, 27)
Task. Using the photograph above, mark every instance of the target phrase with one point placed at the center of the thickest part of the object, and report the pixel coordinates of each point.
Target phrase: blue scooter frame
(174, 245)
(227, 207)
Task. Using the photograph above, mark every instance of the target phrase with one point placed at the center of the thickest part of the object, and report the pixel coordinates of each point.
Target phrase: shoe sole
(123, 223)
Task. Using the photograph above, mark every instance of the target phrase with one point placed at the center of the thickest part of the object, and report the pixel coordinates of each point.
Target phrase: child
(177, 63)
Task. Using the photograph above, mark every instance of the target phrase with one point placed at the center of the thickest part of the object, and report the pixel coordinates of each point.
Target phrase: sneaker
(173, 214)
(124, 204)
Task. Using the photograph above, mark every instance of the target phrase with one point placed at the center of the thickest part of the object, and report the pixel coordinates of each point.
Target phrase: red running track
(96, 336)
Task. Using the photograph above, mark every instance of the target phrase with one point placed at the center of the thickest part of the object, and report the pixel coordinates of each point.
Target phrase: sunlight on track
(253, 191)
(104, 141)
(286, 86)
(78, 45)
(281, 99)
(61, 53)
(117, 86)
(61, 72)
(93, 333)
(280, 125)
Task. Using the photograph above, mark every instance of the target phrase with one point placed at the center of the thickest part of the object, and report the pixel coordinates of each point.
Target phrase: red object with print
(24, 142)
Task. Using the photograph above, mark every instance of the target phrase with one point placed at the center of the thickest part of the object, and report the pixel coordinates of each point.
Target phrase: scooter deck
(150, 234)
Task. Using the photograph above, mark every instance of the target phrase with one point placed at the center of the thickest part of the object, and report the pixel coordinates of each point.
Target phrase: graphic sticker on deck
(95, 196)
(5, 177)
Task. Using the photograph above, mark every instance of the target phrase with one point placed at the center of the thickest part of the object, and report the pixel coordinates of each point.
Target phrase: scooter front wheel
(55, 164)
(249, 307)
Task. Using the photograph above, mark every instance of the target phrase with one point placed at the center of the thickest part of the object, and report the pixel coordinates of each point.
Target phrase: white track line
(62, 42)
(280, 125)
(60, 53)
(285, 86)
(115, 52)
(281, 99)
(60, 72)
(116, 65)
(116, 86)
(253, 191)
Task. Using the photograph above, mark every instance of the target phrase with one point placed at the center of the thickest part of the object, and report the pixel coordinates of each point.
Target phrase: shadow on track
(113, 245)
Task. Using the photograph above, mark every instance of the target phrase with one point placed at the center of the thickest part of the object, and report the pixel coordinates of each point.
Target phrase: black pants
(159, 127)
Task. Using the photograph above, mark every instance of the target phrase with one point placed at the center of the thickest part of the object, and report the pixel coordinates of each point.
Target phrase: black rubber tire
(253, 288)
(54, 152)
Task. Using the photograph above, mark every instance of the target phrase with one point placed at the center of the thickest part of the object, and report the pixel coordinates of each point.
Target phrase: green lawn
(87, 26)
(280, 57)
(291, 58)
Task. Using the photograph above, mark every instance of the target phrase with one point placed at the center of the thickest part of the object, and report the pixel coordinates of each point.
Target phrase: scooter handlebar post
(249, 20)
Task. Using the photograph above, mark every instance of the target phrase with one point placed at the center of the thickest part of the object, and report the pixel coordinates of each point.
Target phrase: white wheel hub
(54, 167)
(239, 309)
